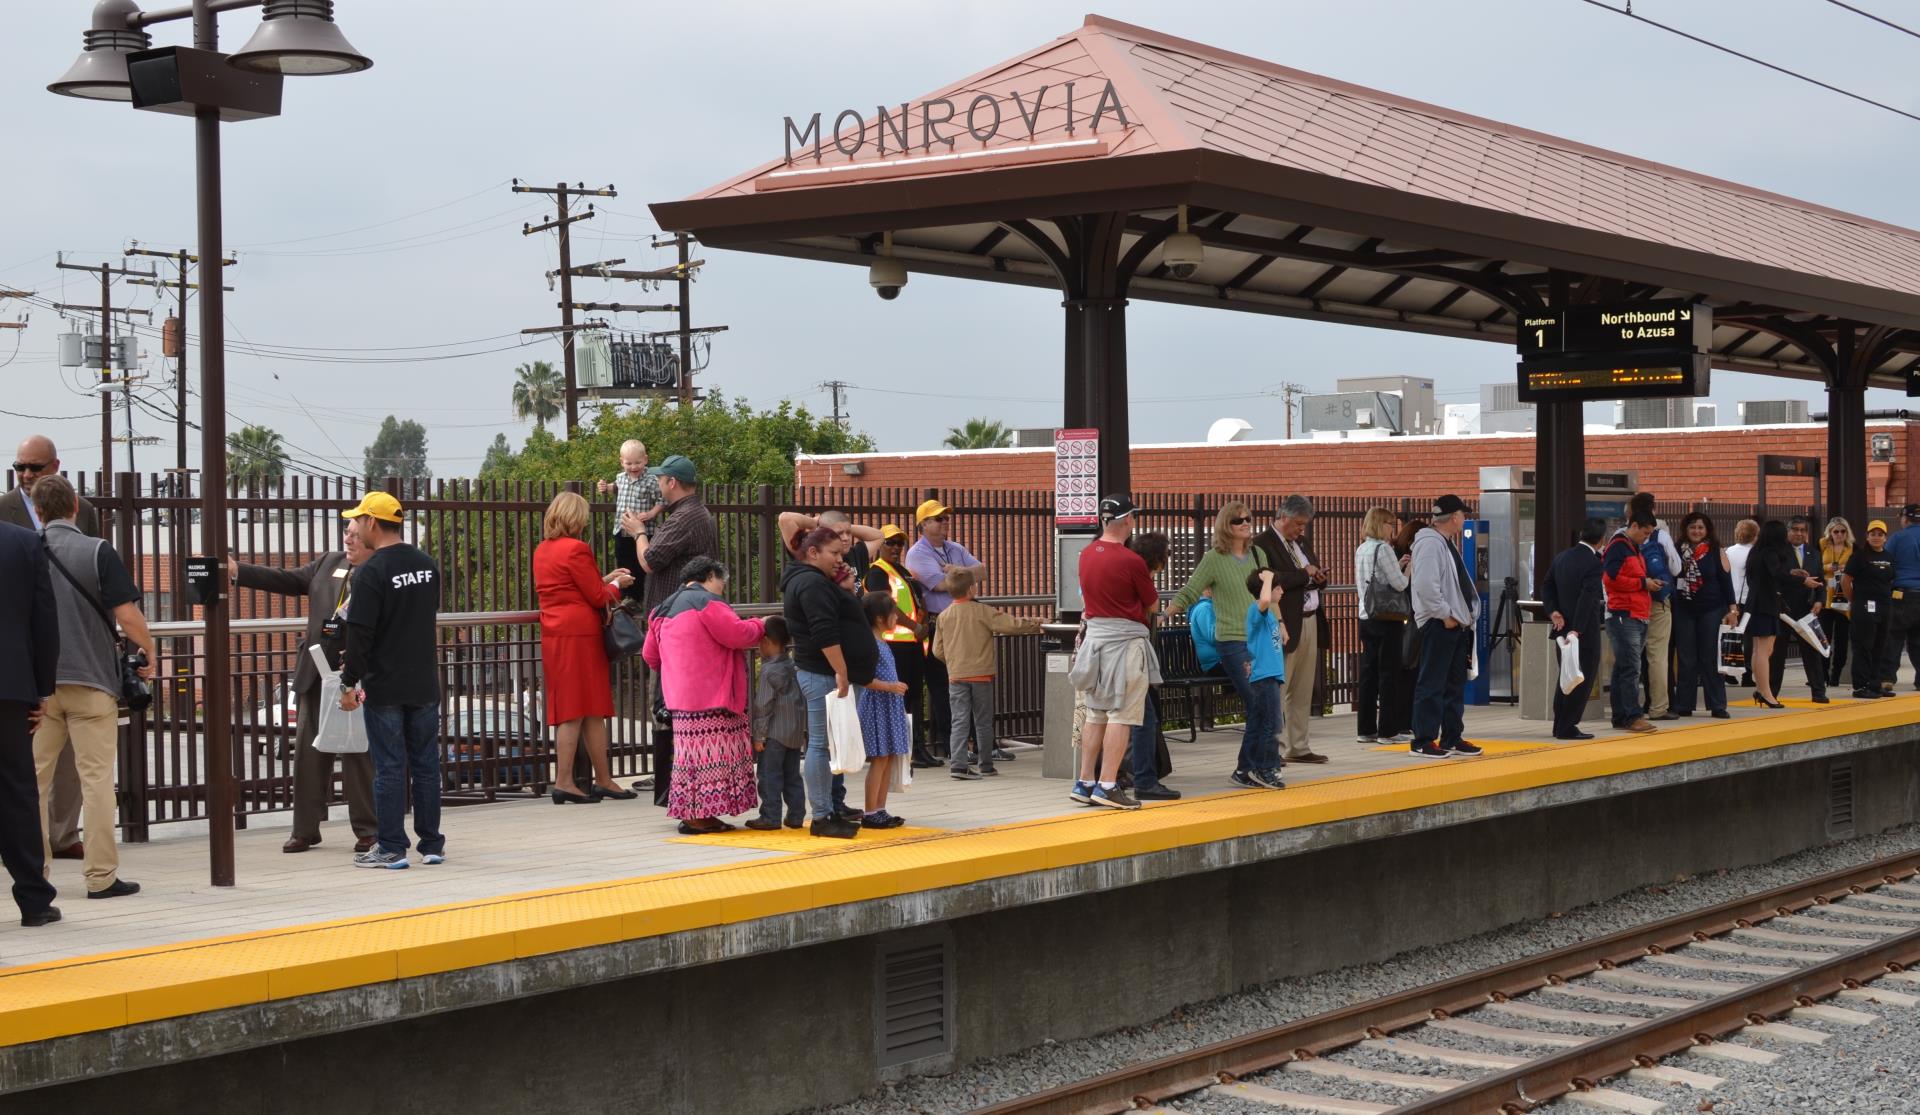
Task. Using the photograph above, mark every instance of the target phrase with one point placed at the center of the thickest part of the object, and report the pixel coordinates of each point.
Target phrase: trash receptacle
(1058, 759)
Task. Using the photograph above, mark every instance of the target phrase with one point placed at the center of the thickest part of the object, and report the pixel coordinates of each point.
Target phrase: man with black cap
(1445, 606)
(1903, 614)
(1115, 663)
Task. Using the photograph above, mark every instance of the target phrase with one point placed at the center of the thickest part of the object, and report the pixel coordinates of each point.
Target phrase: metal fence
(483, 534)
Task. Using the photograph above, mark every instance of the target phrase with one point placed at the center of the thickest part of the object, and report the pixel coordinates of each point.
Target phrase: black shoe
(989, 772)
(925, 762)
(836, 828)
(1463, 748)
(849, 814)
(965, 774)
(1155, 792)
(40, 917)
(1574, 736)
(688, 830)
(761, 824)
(1722, 714)
(617, 794)
(561, 797)
(1427, 750)
(796, 823)
(119, 889)
(1665, 716)
(1866, 694)
(1821, 698)
(1002, 755)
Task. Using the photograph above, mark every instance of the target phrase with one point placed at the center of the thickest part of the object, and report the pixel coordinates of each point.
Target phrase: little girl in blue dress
(883, 715)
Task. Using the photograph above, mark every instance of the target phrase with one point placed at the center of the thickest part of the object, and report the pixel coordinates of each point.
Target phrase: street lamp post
(296, 37)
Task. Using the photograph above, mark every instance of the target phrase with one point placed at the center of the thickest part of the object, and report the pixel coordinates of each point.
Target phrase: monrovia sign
(983, 120)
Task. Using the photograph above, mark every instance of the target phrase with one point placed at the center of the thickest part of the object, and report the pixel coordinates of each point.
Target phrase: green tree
(255, 455)
(979, 433)
(538, 393)
(499, 456)
(399, 449)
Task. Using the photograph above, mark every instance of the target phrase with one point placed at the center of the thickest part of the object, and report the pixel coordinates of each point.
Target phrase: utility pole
(107, 272)
(839, 388)
(22, 323)
(181, 286)
(683, 273)
(563, 196)
(1287, 392)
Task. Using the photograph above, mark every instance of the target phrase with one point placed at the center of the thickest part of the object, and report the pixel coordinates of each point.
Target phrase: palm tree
(979, 433)
(538, 393)
(255, 455)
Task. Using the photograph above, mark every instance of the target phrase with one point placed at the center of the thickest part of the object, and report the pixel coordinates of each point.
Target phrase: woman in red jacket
(573, 603)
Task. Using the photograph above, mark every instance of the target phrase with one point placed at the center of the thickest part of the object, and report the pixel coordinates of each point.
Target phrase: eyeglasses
(1241, 521)
(29, 466)
(936, 518)
(893, 541)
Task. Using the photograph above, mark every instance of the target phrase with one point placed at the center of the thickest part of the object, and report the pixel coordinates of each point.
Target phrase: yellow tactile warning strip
(101, 992)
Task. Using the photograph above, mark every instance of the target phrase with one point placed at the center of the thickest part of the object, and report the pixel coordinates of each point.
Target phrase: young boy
(964, 641)
(636, 503)
(1259, 763)
(779, 732)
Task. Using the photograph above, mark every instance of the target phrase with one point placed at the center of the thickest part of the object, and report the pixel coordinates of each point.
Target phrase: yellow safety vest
(902, 600)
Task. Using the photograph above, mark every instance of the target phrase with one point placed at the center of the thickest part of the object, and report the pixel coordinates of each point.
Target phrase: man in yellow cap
(1867, 583)
(390, 666)
(930, 560)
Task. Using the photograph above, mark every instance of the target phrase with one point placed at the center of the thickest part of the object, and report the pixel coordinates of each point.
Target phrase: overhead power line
(1875, 18)
(1795, 74)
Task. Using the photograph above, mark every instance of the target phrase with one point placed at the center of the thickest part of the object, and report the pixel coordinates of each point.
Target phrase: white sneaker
(1366, 739)
(374, 857)
(434, 858)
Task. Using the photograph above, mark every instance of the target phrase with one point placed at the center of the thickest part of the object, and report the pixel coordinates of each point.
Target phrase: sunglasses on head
(1240, 520)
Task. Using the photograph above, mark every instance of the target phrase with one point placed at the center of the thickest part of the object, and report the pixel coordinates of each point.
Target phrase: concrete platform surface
(529, 879)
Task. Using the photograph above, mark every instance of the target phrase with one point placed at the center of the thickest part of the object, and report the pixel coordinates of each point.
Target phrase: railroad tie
(1702, 964)
(1879, 919)
(1656, 982)
(1339, 1071)
(1903, 977)
(1839, 1016)
(1538, 1013)
(1728, 1051)
(1666, 1074)
(1888, 899)
(1299, 1101)
(1624, 998)
(1609, 1099)
(1474, 1029)
(1781, 1031)
(1830, 922)
(1781, 937)
(1444, 1056)
(1756, 952)
(1876, 994)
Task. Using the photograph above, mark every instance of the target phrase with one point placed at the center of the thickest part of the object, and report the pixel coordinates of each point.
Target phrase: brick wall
(1716, 464)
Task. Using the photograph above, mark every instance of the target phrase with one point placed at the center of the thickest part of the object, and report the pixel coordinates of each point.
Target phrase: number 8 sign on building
(1076, 477)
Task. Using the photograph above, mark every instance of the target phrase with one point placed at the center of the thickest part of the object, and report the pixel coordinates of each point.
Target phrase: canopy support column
(1559, 482)
(1094, 384)
(1846, 493)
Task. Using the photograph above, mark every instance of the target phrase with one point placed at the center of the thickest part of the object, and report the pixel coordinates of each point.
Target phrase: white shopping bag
(1809, 629)
(1733, 649)
(846, 747)
(1473, 659)
(340, 732)
(1570, 675)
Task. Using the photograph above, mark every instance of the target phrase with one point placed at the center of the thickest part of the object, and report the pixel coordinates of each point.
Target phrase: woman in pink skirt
(696, 645)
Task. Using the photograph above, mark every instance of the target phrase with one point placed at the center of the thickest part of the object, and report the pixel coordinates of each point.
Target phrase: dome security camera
(1183, 253)
(886, 277)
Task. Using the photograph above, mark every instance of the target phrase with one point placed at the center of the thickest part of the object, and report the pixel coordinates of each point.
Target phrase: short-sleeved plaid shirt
(638, 496)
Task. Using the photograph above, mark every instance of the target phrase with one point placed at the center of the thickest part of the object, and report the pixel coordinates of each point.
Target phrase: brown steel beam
(1380, 296)
(989, 242)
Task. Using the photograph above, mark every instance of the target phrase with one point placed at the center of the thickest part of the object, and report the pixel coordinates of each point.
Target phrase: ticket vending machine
(1507, 511)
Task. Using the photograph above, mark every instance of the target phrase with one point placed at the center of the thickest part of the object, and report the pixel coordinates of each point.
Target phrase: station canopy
(1314, 199)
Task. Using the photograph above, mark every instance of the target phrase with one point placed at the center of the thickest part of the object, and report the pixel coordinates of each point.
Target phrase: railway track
(1561, 1023)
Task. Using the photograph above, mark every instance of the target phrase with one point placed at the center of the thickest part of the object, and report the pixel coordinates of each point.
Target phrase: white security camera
(1183, 254)
(887, 276)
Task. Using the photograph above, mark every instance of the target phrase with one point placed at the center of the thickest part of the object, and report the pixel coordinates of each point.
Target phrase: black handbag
(1410, 644)
(134, 691)
(622, 633)
(1384, 602)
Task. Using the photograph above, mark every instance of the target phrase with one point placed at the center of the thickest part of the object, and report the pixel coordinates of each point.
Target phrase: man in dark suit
(29, 656)
(1576, 601)
(1803, 595)
(37, 457)
(325, 582)
(1298, 572)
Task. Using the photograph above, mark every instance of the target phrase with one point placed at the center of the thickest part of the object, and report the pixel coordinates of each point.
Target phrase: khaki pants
(1303, 667)
(88, 719)
(1659, 653)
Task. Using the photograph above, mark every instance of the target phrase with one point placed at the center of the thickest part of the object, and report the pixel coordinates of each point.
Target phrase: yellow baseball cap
(381, 505)
(928, 510)
(1879, 525)
(891, 531)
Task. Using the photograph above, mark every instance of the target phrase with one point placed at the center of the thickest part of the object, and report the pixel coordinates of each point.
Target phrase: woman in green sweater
(1224, 570)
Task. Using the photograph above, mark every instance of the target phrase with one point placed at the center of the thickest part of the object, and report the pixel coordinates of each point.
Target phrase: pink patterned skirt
(713, 772)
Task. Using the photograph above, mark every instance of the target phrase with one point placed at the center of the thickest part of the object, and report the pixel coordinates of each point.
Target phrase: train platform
(536, 898)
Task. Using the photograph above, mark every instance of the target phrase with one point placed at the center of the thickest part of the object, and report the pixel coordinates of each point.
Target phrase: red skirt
(578, 682)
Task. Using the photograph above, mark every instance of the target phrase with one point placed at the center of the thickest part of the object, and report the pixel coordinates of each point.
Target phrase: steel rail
(1124, 1089)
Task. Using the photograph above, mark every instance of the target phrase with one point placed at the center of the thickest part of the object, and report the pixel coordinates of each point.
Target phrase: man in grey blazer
(325, 582)
(37, 457)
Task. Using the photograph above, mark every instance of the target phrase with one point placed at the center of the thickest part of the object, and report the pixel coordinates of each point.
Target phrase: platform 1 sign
(1631, 350)
(1076, 478)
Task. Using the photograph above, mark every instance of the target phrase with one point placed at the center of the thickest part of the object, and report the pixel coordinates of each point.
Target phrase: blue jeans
(1629, 639)
(1440, 689)
(1260, 747)
(1142, 744)
(1696, 641)
(1236, 660)
(816, 769)
(403, 742)
(780, 782)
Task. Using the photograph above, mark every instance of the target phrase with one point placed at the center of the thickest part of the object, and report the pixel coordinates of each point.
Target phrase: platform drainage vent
(915, 1008)
(1840, 800)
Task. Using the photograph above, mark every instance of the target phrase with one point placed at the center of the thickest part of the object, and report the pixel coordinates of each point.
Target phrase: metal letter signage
(1655, 349)
(983, 118)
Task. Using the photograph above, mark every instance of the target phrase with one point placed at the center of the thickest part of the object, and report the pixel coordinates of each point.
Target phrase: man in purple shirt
(928, 562)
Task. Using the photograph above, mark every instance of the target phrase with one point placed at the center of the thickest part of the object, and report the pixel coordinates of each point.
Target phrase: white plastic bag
(1733, 649)
(846, 747)
(1473, 658)
(1809, 629)
(1570, 675)
(340, 732)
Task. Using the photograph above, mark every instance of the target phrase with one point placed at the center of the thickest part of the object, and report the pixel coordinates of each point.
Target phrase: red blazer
(573, 598)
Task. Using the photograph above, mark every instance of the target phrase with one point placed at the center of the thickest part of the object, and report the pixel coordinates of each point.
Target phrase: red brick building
(1711, 464)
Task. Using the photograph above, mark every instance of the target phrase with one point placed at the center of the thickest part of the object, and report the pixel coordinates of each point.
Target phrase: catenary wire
(1877, 19)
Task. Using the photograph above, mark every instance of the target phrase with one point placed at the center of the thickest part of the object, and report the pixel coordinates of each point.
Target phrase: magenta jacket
(700, 638)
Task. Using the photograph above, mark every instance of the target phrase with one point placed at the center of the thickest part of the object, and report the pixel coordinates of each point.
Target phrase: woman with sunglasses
(1836, 549)
(1223, 572)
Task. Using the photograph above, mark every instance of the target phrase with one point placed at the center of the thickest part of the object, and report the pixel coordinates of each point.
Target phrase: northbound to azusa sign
(983, 120)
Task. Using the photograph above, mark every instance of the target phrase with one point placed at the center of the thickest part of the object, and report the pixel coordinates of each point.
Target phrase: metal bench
(1181, 671)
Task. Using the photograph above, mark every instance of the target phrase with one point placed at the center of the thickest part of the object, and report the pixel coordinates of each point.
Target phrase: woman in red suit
(573, 603)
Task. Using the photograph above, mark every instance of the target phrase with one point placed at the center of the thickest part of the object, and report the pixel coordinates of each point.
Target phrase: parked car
(280, 715)
(473, 731)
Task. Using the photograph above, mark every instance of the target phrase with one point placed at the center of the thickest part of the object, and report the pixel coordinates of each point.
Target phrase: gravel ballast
(1769, 1089)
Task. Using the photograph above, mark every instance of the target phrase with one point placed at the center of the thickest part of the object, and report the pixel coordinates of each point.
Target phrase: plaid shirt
(638, 496)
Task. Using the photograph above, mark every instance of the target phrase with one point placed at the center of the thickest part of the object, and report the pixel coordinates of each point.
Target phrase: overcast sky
(375, 214)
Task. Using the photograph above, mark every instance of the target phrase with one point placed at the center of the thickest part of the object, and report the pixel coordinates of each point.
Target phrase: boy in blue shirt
(1200, 627)
(1259, 763)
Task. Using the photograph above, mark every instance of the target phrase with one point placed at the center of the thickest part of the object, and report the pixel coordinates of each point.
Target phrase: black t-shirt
(1872, 573)
(391, 630)
(116, 584)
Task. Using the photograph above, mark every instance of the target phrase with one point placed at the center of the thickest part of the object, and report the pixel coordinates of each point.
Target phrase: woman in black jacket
(1703, 598)
(833, 649)
(1769, 569)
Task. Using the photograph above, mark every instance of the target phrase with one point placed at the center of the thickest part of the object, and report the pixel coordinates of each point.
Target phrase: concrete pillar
(1846, 493)
(1559, 482)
